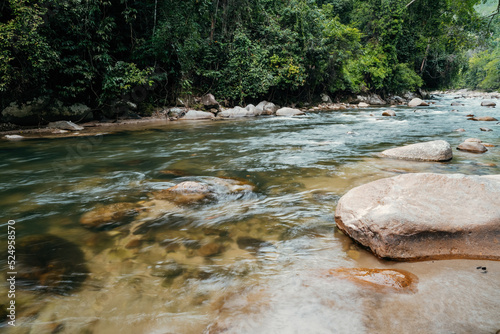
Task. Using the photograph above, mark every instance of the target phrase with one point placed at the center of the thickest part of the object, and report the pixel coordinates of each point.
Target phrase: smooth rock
(13, 137)
(197, 114)
(363, 105)
(380, 279)
(488, 104)
(473, 140)
(49, 263)
(425, 216)
(210, 249)
(484, 119)
(239, 112)
(454, 104)
(459, 130)
(167, 269)
(65, 125)
(251, 244)
(391, 113)
(289, 112)
(437, 150)
(185, 192)
(268, 108)
(109, 215)
(485, 129)
(416, 102)
(473, 147)
(488, 145)
(325, 98)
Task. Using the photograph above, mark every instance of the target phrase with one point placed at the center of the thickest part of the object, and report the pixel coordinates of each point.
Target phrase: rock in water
(473, 147)
(488, 104)
(416, 102)
(437, 150)
(363, 105)
(289, 112)
(49, 263)
(389, 113)
(110, 215)
(484, 119)
(380, 279)
(425, 216)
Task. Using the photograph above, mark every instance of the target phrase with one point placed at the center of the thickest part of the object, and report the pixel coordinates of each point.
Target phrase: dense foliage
(100, 51)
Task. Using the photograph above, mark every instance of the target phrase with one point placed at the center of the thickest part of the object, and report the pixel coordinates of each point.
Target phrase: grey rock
(488, 104)
(238, 112)
(289, 112)
(65, 125)
(473, 147)
(268, 108)
(197, 114)
(425, 216)
(437, 150)
(416, 102)
(209, 101)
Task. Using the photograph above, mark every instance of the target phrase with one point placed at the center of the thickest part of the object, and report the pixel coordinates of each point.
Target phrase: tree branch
(492, 16)
(412, 1)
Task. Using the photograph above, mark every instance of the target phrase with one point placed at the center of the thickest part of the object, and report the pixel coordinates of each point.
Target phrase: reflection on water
(241, 262)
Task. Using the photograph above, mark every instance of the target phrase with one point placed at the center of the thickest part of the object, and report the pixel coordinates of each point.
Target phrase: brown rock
(389, 113)
(210, 249)
(488, 145)
(184, 193)
(473, 140)
(109, 215)
(488, 104)
(485, 129)
(459, 130)
(472, 147)
(379, 279)
(425, 216)
(483, 119)
(134, 243)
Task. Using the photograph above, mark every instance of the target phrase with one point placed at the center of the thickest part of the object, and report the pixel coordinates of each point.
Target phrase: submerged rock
(167, 269)
(185, 192)
(425, 216)
(49, 263)
(485, 129)
(251, 244)
(437, 150)
(289, 112)
(380, 279)
(473, 147)
(455, 104)
(110, 215)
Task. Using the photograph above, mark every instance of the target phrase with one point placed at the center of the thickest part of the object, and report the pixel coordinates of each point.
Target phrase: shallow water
(300, 168)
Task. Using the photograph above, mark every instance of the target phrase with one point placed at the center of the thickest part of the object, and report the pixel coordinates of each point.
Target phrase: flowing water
(273, 245)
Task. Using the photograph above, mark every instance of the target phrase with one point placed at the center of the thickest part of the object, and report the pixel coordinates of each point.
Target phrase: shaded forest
(97, 51)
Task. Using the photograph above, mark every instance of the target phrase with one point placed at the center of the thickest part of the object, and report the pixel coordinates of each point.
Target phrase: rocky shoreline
(213, 111)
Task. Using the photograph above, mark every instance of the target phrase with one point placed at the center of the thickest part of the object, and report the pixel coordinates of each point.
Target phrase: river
(274, 243)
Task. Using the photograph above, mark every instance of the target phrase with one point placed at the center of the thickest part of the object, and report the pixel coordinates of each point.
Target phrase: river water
(274, 244)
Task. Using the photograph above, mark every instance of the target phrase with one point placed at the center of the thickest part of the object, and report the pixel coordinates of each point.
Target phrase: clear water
(300, 168)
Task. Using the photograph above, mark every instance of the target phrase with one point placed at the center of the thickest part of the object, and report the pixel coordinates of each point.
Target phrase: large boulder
(209, 101)
(371, 99)
(416, 102)
(437, 150)
(425, 216)
(268, 108)
(289, 112)
(197, 114)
